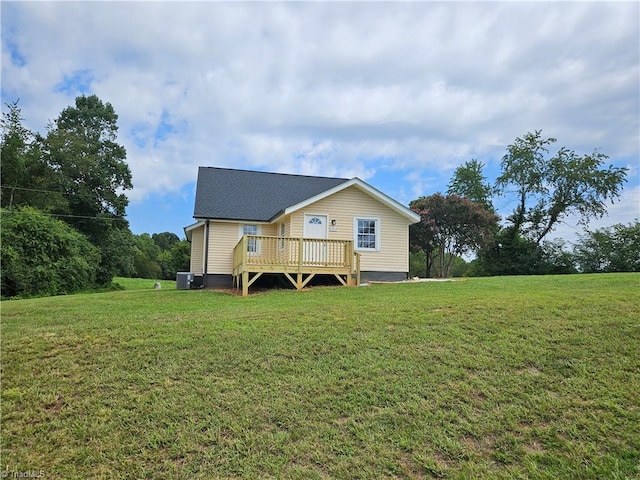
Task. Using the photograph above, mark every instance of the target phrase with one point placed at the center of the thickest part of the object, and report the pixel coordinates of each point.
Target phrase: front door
(315, 226)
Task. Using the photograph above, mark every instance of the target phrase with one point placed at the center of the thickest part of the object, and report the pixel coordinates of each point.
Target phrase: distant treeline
(158, 256)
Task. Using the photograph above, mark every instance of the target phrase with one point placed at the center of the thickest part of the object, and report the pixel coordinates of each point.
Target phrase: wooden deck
(299, 259)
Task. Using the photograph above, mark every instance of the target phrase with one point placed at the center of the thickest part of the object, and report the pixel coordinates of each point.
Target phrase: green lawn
(143, 283)
(519, 377)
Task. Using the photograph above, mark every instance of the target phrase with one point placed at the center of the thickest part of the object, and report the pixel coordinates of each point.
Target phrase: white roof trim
(199, 223)
(240, 222)
(356, 182)
(188, 229)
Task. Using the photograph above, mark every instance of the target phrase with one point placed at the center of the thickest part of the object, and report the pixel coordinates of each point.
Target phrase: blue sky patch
(140, 134)
(17, 57)
(10, 20)
(78, 83)
(164, 128)
(167, 127)
(174, 208)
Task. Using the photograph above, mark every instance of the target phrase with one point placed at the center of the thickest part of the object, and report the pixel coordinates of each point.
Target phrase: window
(367, 233)
(252, 243)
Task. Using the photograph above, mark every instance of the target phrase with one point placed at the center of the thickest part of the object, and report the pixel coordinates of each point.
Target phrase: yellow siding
(197, 250)
(223, 237)
(350, 203)
(343, 207)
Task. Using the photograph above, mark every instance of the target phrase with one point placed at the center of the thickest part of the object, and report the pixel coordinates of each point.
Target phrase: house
(249, 223)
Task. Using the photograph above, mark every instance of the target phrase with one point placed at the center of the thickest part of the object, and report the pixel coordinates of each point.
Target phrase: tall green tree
(422, 237)
(90, 169)
(26, 177)
(180, 257)
(509, 253)
(165, 240)
(91, 166)
(612, 249)
(450, 227)
(175, 258)
(548, 187)
(469, 182)
(146, 257)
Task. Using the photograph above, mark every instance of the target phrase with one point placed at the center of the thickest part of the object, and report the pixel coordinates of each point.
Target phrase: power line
(65, 215)
(82, 216)
(36, 190)
(61, 214)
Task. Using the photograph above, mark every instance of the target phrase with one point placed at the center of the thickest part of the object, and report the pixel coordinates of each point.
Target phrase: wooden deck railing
(260, 254)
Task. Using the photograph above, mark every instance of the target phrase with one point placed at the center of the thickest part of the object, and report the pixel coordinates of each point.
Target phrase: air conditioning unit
(184, 280)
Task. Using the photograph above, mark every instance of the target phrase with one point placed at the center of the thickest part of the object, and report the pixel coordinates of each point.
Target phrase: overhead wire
(61, 214)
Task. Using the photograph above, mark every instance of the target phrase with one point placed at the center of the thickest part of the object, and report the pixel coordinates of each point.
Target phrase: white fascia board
(377, 194)
(243, 222)
(188, 229)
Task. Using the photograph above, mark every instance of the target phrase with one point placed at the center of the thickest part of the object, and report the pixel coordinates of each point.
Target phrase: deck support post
(349, 257)
(245, 283)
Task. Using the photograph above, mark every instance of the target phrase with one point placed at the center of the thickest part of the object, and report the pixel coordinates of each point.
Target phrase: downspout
(206, 254)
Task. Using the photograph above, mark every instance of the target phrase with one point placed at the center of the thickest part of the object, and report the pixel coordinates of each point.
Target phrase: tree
(146, 257)
(118, 252)
(165, 240)
(180, 255)
(90, 169)
(549, 189)
(509, 253)
(612, 249)
(77, 172)
(160, 255)
(44, 256)
(469, 182)
(91, 166)
(26, 178)
(450, 227)
(422, 237)
(557, 259)
(417, 265)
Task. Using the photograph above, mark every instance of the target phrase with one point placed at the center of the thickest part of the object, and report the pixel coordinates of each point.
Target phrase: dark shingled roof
(228, 194)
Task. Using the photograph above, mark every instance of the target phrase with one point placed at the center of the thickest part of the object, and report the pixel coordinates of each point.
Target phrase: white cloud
(338, 89)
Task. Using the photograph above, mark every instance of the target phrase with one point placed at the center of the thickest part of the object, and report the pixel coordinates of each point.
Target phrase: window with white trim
(252, 243)
(366, 233)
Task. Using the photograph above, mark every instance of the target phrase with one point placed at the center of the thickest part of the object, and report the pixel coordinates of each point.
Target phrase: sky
(396, 93)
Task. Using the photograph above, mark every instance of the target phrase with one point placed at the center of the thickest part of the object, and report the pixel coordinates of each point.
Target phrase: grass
(142, 283)
(521, 377)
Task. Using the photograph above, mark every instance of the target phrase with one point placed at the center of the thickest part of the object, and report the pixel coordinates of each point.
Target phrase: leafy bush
(44, 256)
(612, 249)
